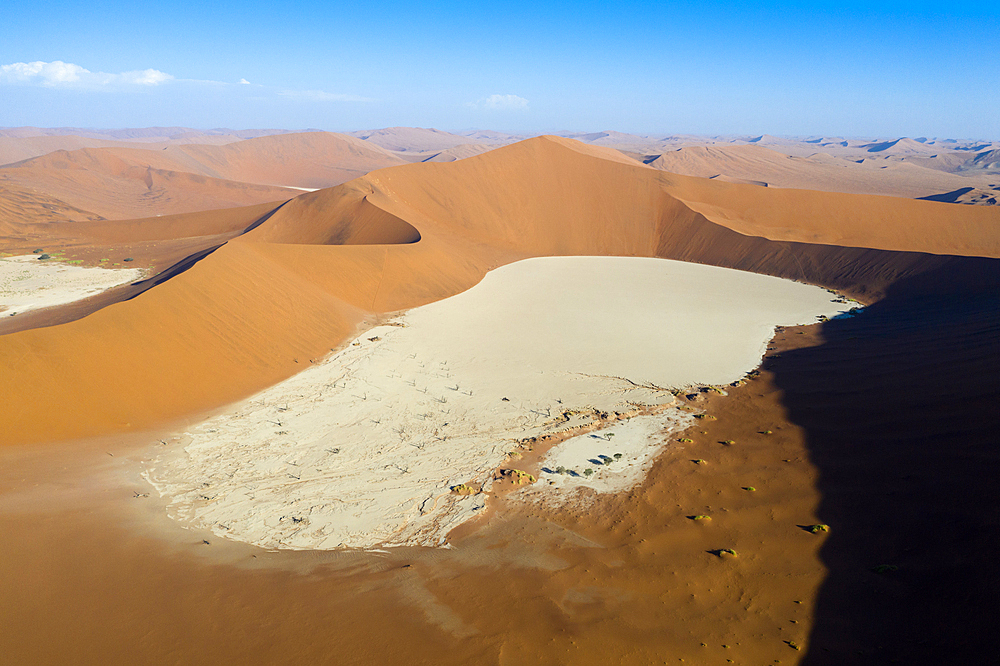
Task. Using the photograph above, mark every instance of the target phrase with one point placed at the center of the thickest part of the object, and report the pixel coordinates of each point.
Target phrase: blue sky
(786, 68)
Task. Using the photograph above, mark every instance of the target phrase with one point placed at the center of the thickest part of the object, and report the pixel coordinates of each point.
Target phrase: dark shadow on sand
(901, 406)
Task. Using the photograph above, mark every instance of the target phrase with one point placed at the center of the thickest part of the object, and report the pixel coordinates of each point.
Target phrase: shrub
(588, 472)
(127, 259)
(816, 529)
(43, 257)
(519, 477)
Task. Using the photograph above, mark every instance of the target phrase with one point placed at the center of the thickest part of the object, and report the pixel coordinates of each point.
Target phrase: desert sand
(245, 299)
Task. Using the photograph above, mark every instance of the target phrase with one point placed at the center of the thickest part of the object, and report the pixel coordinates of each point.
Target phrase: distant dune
(23, 208)
(311, 160)
(459, 152)
(127, 182)
(114, 183)
(412, 139)
(21, 143)
(815, 172)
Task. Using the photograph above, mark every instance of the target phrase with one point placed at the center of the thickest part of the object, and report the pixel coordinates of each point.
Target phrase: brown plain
(857, 440)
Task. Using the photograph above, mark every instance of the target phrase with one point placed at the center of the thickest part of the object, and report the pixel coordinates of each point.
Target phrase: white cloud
(67, 75)
(500, 103)
(322, 96)
(147, 77)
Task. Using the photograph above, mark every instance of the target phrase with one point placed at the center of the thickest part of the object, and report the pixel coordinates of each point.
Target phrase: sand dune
(162, 246)
(109, 187)
(17, 149)
(290, 289)
(309, 160)
(459, 152)
(412, 139)
(133, 182)
(814, 172)
(23, 143)
(145, 134)
(24, 212)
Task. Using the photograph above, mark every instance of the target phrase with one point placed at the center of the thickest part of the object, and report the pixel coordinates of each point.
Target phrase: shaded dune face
(291, 283)
(318, 219)
(902, 430)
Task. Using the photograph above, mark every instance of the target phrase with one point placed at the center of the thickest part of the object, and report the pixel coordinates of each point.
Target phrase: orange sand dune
(17, 149)
(115, 186)
(25, 211)
(165, 246)
(266, 303)
(308, 159)
(127, 182)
